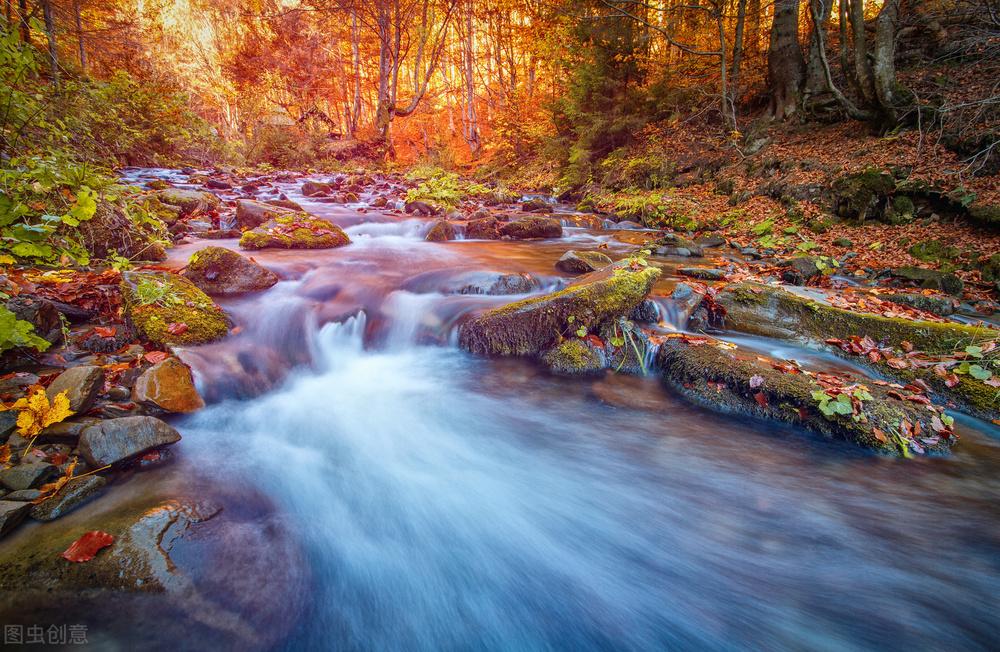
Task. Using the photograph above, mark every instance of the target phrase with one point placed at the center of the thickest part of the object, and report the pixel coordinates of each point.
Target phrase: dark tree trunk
(22, 10)
(79, 35)
(815, 78)
(50, 30)
(785, 63)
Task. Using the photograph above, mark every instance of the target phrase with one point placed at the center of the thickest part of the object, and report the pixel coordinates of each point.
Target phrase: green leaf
(821, 396)
(974, 351)
(581, 332)
(979, 373)
(15, 332)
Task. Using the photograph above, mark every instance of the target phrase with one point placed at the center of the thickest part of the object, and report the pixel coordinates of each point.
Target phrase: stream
(444, 501)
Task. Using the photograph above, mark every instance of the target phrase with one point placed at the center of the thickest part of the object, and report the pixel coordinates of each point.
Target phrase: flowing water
(450, 502)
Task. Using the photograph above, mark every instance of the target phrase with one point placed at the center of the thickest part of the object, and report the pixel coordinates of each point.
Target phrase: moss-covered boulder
(869, 415)
(526, 228)
(295, 231)
(112, 232)
(189, 201)
(862, 195)
(221, 271)
(674, 244)
(575, 357)
(168, 309)
(441, 231)
(989, 268)
(485, 228)
(986, 214)
(534, 325)
(251, 214)
(930, 279)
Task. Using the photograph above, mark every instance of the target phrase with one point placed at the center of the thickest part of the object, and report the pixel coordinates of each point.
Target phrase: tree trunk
(890, 96)
(352, 126)
(862, 69)
(22, 10)
(50, 30)
(79, 36)
(785, 64)
(815, 78)
(470, 122)
(741, 17)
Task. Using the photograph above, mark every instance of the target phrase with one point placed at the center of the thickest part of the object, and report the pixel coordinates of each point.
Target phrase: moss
(189, 201)
(574, 357)
(933, 251)
(721, 380)
(532, 325)
(295, 231)
(859, 195)
(985, 213)
(181, 303)
(990, 268)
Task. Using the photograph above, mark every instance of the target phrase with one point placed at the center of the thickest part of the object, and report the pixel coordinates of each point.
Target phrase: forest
(500, 324)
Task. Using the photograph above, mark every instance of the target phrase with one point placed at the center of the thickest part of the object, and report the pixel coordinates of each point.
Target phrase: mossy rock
(930, 279)
(533, 325)
(251, 214)
(582, 262)
(295, 231)
(221, 271)
(525, 228)
(168, 309)
(729, 382)
(901, 210)
(934, 251)
(989, 268)
(986, 214)
(860, 196)
(575, 357)
(112, 232)
(189, 201)
(441, 231)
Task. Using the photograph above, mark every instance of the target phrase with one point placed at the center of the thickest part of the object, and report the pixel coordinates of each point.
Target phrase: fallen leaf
(879, 435)
(154, 357)
(761, 399)
(84, 548)
(177, 328)
(105, 331)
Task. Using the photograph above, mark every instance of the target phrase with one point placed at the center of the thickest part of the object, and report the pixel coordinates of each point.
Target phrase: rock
(941, 306)
(81, 384)
(441, 231)
(536, 206)
(575, 357)
(284, 202)
(168, 386)
(295, 231)
(930, 279)
(24, 495)
(420, 208)
(116, 440)
(736, 382)
(379, 202)
(533, 325)
(843, 242)
(40, 313)
(483, 229)
(169, 309)
(221, 271)
(710, 241)
(673, 244)
(27, 476)
(218, 184)
(987, 214)
(862, 196)
(66, 432)
(189, 201)
(582, 262)
(11, 514)
(703, 273)
(251, 214)
(316, 189)
(532, 227)
(8, 422)
(801, 269)
(112, 231)
(74, 493)
(646, 312)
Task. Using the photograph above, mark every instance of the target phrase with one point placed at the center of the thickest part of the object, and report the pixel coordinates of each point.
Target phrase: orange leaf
(154, 357)
(84, 548)
(177, 328)
(105, 331)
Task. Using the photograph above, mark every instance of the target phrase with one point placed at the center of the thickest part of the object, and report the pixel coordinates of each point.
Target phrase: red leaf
(154, 357)
(84, 548)
(874, 356)
(879, 435)
(105, 331)
(761, 399)
(897, 363)
(906, 346)
(951, 380)
(177, 328)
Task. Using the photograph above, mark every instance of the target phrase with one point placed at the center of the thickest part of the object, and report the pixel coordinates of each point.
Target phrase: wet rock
(27, 476)
(285, 203)
(189, 201)
(316, 189)
(221, 271)
(11, 514)
(710, 241)
(575, 357)
(937, 305)
(379, 202)
(483, 229)
(533, 325)
(218, 184)
(646, 312)
(251, 214)
(420, 208)
(169, 309)
(111, 231)
(536, 206)
(116, 440)
(703, 273)
(441, 231)
(673, 244)
(73, 494)
(24, 495)
(295, 231)
(66, 432)
(40, 313)
(81, 384)
(582, 262)
(930, 279)
(801, 269)
(8, 422)
(532, 227)
(168, 386)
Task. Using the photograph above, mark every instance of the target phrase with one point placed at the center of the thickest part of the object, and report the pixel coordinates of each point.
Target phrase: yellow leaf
(36, 413)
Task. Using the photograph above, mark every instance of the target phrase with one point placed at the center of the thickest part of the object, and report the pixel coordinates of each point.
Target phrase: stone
(189, 201)
(168, 386)
(116, 440)
(24, 495)
(74, 493)
(673, 244)
(441, 231)
(12, 512)
(703, 273)
(536, 206)
(930, 279)
(710, 241)
(582, 262)
(27, 476)
(40, 313)
(937, 305)
(801, 269)
(575, 357)
(220, 271)
(482, 229)
(420, 208)
(532, 227)
(168, 309)
(295, 231)
(316, 189)
(218, 184)
(251, 214)
(81, 384)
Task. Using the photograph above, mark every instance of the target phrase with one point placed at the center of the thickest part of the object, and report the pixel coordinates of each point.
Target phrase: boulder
(41, 313)
(73, 494)
(801, 269)
(533, 325)
(536, 206)
(251, 214)
(862, 195)
(11, 514)
(482, 229)
(286, 203)
(710, 241)
(168, 386)
(532, 227)
(582, 262)
(930, 279)
(316, 189)
(295, 231)
(575, 357)
(936, 305)
(27, 476)
(441, 231)
(82, 385)
(116, 440)
(218, 184)
(703, 273)
(221, 271)
(420, 208)
(169, 309)
(379, 202)
(112, 232)
(189, 201)
(673, 244)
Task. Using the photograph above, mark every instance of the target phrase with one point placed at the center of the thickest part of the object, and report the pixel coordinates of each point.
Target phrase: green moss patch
(169, 309)
(295, 231)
